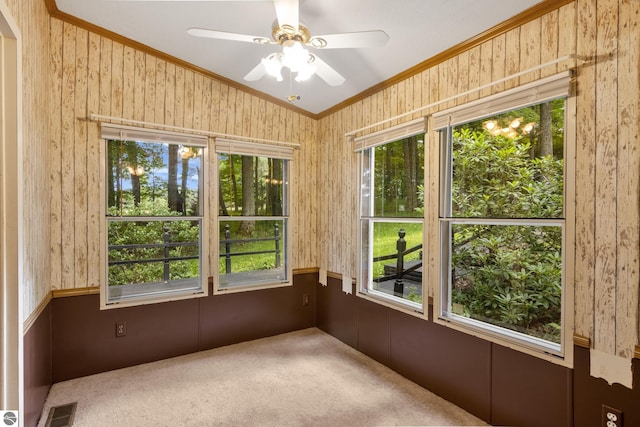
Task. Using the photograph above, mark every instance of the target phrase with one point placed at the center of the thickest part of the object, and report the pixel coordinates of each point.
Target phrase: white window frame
(545, 89)
(126, 133)
(254, 149)
(366, 220)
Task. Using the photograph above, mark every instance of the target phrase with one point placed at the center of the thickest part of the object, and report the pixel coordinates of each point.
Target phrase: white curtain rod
(468, 92)
(118, 120)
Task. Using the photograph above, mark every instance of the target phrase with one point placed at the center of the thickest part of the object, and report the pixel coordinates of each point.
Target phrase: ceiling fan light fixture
(306, 72)
(273, 66)
(295, 57)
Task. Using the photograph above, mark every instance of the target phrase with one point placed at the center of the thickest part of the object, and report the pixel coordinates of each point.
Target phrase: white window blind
(253, 149)
(126, 133)
(542, 90)
(395, 133)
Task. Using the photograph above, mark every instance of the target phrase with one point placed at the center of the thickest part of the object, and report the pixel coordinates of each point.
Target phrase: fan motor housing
(283, 33)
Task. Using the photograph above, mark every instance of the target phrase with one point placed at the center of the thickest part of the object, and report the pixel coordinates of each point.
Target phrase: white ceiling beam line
(556, 61)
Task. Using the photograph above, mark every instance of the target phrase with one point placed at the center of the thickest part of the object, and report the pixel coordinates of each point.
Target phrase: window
(503, 214)
(253, 215)
(392, 215)
(154, 216)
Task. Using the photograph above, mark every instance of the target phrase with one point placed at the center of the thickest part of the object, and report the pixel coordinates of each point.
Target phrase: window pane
(397, 259)
(508, 276)
(252, 186)
(398, 176)
(252, 252)
(510, 165)
(152, 178)
(153, 256)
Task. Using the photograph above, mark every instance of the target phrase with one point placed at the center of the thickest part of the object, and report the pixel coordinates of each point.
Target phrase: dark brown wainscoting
(591, 393)
(84, 340)
(499, 385)
(37, 366)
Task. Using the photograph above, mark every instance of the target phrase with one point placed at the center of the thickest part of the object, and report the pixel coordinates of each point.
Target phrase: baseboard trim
(61, 293)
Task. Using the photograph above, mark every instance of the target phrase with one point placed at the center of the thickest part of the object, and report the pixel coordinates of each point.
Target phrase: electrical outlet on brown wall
(611, 417)
(121, 329)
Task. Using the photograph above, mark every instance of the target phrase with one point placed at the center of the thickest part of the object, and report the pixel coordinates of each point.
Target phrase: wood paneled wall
(32, 19)
(607, 162)
(91, 74)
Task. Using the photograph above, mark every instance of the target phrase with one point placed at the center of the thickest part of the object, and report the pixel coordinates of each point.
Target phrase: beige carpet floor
(303, 378)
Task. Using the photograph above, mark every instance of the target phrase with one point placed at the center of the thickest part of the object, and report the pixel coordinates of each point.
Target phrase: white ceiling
(418, 30)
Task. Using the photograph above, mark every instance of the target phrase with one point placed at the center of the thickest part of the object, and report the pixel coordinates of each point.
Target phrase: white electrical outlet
(611, 417)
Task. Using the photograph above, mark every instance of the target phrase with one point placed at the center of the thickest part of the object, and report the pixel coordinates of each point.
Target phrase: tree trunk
(274, 186)
(234, 184)
(183, 186)
(112, 178)
(410, 173)
(546, 139)
(135, 188)
(248, 196)
(172, 185)
(223, 207)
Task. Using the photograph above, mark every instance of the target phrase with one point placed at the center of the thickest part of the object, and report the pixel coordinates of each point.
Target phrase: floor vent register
(61, 416)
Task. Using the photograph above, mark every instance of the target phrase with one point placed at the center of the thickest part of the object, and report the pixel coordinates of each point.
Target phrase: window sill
(409, 307)
(137, 299)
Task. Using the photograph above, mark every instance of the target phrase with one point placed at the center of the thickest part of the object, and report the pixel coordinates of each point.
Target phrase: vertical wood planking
(150, 73)
(67, 151)
(417, 97)
(128, 83)
(139, 84)
(474, 72)
(530, 41)
(179, 100)
(628, 165)
(79, 155)
(117, 80)
(585, 174)
(223, 109)
(205, 120)
(606, 185)
(94, 276)
(216, 93)
(549, 42)
(463, 76)
(567, 33)
(487, 64)
(512, 57)
(170, 95)
(55, 150)
(189, 99)
(106, 58)
(160, 92)
(198, 108)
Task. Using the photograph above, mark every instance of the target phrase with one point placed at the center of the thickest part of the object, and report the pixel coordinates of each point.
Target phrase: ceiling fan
(295, 37)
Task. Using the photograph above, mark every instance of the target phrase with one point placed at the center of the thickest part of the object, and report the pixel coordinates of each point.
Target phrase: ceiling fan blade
(287, 12)
(223, 35)
(350, 40)
(326, 72)
(257, 73)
